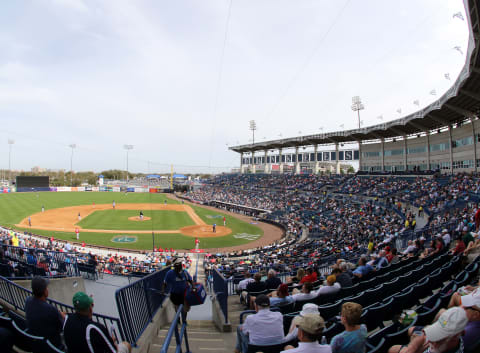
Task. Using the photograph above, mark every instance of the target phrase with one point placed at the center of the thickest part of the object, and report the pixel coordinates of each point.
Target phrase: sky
(180, 80)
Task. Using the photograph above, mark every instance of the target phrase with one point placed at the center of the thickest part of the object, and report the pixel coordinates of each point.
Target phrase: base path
(65, 219)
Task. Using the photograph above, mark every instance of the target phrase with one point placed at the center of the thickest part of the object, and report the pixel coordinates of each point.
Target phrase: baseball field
(173, 223)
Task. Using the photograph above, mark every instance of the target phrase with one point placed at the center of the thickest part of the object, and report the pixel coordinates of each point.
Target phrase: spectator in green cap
(82, 334)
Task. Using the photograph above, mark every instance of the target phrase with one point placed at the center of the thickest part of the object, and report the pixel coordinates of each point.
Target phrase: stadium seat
(426, 314)
(360, 298)
(374, 339)
(373, 294)
(48, 347)
(399, 337)
(379, 348)
(349, 291)
(374, 315)
(423, 288)
(25, 341)
(333, 330)
(462, 279)
(330, 310)
(286, 308)
(324, 299)
(276, 348)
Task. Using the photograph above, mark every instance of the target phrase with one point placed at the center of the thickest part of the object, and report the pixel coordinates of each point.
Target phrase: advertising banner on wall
(130, 189)
(73, 188)
(81, 188)
(116, 189)
(102, 188)
(64, 188)
(96, 188)
(153, 190)
(54, 189)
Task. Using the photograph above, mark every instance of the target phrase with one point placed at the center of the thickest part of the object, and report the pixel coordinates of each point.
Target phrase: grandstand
(443, 135)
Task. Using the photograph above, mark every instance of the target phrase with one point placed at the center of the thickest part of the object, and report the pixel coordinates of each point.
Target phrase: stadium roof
(459, 103)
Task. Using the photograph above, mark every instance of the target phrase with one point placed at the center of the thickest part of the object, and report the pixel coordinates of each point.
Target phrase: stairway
(203, 336)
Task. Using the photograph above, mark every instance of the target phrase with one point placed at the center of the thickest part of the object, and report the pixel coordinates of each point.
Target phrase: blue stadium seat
(25, 341)
(276, 348)
(374, 294)
(374, 315)
(399, 337)
(379, 348)
(462, 279)
(374, 339)
(330, 310)
(426, 314)
(333, 330)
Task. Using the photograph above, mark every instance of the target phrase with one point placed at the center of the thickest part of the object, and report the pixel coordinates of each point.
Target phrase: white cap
(472, 299)
(450, 323)
(465, 229)
(309, 308)
(422, 238)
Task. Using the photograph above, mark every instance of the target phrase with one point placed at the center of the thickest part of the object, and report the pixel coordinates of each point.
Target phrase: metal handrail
(16, 296)
(178, 336)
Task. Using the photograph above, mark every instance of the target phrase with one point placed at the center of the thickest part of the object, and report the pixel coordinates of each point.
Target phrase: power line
(305, 63)
(219, 82)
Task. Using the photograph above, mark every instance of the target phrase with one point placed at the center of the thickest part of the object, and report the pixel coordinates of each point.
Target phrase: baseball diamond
(173, 224)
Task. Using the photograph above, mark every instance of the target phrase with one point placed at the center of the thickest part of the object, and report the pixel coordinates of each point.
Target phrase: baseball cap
(472, 299)
(283, 289)
(311, 323)
(82, 301)
(309, 309)
(450, 323)
(465, 229)
(262, 300)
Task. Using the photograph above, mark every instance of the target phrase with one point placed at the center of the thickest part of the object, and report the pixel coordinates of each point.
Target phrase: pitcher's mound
(205, 231)
(137, 218)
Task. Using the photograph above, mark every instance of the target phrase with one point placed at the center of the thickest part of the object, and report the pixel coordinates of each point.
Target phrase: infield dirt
(65, 219)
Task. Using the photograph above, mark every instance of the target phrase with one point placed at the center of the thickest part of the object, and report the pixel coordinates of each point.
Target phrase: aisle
(200, 312)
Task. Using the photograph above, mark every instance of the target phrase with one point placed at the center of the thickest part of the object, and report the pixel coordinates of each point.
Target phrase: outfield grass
(17, 206)
(118, 219)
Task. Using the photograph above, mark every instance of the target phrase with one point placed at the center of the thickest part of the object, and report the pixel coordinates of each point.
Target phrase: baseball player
(214, 227)
(29, 221)
(79, 217)
(141, 215)
(224, 221)
(113, 204)
(197, 243)
(77, 233)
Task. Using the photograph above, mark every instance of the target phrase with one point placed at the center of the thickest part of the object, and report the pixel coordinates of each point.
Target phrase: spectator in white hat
(444, 335)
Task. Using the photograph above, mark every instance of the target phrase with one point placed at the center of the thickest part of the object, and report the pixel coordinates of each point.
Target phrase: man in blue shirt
(176, 281)
(363, 268)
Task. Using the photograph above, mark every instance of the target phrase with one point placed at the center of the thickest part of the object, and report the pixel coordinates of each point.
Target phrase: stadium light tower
(357, 105)
(10, 143)
(253, 127)
(128, 148)
(72, 146)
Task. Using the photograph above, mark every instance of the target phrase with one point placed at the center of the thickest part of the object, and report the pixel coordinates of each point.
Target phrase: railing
(220, 288)
(16, 296)
(138, 302)
(58, 261)
(178, 336)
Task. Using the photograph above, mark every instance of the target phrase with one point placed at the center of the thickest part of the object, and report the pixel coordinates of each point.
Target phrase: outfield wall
(103, 188)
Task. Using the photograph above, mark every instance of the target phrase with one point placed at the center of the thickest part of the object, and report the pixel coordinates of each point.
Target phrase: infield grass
(17, 206)
(119, 219)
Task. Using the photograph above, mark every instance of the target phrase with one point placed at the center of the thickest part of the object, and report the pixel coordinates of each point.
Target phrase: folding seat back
(425, 315)
(329, 311)
(25, 341)
(400, 337)
(375, 338)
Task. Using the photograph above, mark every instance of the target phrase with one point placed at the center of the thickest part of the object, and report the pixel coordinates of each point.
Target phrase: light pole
(357, 105)
(253, 127)
(72, 146)
(128, 148)
(10, 143)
